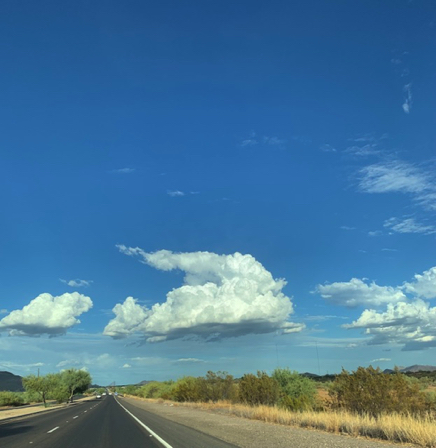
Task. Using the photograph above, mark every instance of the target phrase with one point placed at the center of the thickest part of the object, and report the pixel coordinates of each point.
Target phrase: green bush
(260, 389)
(369, 391)
(30, 397)
(297, 393)
(186, 389)
(156, 389)
(131, 390)
(216, 386)
(11, 399)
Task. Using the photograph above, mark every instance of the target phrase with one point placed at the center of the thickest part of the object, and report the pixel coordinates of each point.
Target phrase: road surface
(104, 423)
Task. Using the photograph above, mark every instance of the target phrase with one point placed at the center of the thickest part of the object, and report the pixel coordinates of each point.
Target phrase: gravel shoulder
(247, 433)
(20, 411)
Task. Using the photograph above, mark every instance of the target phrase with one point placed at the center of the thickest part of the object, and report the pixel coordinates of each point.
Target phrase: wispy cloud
(375, 233)
(407, 105)
(397, 176)
(348, 228)
(77, 283)
(253, 140)
(322, 318)
(327, 148)
(123, 170)
(126, 366)
(189, 361)
(175, 193)
(408, 225)
(3, 311)
(381, 360)
(394, 177)
(370, 149)
(13, 365)
(68, 363)
(366, 145)
(273, 141)
(249, 142)
(369, 138)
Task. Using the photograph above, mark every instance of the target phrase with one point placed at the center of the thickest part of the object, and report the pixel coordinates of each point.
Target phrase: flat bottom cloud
(223, 296)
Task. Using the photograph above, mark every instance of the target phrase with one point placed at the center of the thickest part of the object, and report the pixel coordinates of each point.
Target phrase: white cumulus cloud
(222, 296)
(47, 314)
(410, 323)
(357, 292)
(424, 285)
(407, 320)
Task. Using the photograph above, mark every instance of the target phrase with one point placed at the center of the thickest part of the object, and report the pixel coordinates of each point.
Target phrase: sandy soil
(10, 412)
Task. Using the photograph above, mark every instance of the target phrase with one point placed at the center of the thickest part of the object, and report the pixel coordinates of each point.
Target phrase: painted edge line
(52, 430)
(162, 441)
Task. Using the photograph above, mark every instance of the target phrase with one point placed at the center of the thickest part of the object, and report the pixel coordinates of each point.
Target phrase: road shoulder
(247, 433)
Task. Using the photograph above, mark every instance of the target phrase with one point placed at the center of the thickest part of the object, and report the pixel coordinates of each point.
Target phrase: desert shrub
(369, 391)
(30, 397)
(131, 390)
(260, 389)
(11, 399)
(186, 389)
(156, 389)
(297, 393)
(216, 386)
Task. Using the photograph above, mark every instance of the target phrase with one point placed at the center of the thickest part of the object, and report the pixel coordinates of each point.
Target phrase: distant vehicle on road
(98, 397)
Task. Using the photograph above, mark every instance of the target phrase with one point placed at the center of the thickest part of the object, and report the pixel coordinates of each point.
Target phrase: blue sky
(193, 186)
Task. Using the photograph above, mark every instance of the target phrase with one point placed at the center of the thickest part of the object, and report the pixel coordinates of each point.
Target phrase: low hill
(11, 382)
(419, 368)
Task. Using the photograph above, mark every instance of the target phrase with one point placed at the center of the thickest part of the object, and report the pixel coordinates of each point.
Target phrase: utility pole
(317, 356)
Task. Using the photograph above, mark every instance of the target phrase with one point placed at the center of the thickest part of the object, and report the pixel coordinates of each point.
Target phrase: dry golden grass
(394, 428)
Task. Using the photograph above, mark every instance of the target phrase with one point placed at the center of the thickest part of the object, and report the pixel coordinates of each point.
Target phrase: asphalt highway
(106, 423)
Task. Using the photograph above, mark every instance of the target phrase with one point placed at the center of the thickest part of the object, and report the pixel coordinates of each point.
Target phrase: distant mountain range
(11, 382)
(413, 369)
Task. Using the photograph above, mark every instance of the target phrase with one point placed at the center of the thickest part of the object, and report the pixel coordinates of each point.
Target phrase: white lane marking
(75, 416)
(162, 441)
(86, 411)
(52, 430)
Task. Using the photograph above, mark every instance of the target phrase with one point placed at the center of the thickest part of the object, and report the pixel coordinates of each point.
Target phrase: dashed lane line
(52, 430)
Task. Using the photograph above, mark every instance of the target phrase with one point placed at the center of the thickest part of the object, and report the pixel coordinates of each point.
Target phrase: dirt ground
(10, 412)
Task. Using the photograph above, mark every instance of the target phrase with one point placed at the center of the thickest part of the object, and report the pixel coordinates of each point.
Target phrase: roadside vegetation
(366, 402)
(60, 387)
